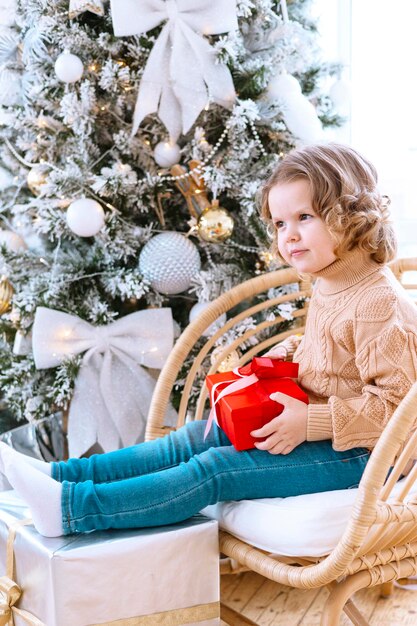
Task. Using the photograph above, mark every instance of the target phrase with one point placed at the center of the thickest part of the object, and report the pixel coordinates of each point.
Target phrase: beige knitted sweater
(358, 356)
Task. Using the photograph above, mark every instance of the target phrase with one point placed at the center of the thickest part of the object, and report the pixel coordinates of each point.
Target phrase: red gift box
(245, 409)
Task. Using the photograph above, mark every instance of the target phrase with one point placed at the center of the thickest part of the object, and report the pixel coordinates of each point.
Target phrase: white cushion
(309, 525)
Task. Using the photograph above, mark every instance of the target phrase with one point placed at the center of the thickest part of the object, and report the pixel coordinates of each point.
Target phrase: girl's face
(303, 238)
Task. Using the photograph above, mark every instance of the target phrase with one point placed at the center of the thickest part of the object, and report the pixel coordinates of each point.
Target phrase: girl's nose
(292, 234)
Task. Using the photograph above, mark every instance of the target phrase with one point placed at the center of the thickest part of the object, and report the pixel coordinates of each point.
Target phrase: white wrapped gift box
(157, 576)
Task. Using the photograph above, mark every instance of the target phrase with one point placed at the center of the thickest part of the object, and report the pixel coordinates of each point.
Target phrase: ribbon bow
(181, 74)
(112, 390)
(264, 367)
(259, 367)
(10, 591)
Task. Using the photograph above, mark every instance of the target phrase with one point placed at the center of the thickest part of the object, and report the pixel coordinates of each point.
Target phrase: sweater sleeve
(386, 365)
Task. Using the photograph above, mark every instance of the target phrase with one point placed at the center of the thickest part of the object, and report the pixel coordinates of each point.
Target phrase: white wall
(376, 41)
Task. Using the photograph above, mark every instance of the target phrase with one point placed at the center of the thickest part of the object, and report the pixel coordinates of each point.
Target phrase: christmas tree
(134, 138)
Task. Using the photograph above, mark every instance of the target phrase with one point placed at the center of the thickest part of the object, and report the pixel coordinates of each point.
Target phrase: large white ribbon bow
(181, 74)
(113, 390)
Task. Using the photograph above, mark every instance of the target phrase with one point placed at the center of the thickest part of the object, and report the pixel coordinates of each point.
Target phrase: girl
(357, 361)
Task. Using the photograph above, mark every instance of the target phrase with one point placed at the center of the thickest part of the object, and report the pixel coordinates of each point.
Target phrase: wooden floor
(272, 604)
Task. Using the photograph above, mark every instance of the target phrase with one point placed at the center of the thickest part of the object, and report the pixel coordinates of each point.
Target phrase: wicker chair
(379, 544)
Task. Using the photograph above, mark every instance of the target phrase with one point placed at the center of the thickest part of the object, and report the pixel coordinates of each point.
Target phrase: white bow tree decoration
(284, 11)
(76, 7)
(113, 390)
(181, 75)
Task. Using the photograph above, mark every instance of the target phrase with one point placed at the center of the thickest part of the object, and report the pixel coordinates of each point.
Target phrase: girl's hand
(286, 431)
(277, 352)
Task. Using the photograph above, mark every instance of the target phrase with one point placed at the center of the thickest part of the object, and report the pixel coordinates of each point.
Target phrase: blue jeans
(170, 479)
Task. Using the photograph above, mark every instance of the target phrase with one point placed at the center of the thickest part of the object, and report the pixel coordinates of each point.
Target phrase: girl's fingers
(271, 443)
(284, 399)
(276, 353)
(287, 450)
(267, 429)
(281, 398)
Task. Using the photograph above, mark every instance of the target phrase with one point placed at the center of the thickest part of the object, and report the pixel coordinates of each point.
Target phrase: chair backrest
(378, 525)
(289, 291)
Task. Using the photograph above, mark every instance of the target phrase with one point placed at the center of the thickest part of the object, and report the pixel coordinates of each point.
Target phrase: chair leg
(339, 600)
(386, 589)
(354, 614)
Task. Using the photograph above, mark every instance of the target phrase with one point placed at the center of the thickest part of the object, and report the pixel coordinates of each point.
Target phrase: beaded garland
(215, 148)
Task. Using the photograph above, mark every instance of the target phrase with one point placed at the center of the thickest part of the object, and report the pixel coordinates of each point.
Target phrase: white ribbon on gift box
(112, 391)
(233, 386)
(181, 75)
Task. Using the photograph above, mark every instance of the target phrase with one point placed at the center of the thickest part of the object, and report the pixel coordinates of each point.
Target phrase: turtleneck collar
(345, 272)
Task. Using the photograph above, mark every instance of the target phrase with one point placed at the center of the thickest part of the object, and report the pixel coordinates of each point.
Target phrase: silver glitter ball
(169, 261)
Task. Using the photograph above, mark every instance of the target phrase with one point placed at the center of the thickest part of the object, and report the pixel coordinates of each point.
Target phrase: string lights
(167, 177)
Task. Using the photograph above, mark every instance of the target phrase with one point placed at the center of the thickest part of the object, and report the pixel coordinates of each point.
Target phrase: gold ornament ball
(266, 257)
(215, 224)
(36, 178)
(229, 362)
(6, 294)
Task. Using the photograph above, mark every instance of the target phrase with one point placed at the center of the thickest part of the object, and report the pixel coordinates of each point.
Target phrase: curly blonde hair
(344, 194)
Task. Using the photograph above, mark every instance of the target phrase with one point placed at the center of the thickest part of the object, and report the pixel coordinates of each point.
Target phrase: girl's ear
(270, 230)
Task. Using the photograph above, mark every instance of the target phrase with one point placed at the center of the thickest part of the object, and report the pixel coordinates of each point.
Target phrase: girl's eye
(279, 224)
(305, 216)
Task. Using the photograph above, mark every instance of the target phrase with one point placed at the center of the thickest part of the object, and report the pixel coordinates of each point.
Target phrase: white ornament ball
(218, 323)
(12, 241)
(169, 261)
(68, 67)
(166, 153)
(85, 217)
(283, 86)
(301, 119)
